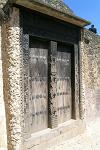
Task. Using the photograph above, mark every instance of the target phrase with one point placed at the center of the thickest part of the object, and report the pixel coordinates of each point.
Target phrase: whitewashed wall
(3, 141)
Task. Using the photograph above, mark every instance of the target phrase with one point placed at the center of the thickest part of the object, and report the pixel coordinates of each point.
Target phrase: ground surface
(90, 140)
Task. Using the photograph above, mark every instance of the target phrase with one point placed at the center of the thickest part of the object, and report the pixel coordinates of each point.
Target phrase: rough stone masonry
(12, 75)
(90, 75)
(12, 99)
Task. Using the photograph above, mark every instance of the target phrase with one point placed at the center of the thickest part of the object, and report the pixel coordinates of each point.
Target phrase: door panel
(39, 84)
(64, 83)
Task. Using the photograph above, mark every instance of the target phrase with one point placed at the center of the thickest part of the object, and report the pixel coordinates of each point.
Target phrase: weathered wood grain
(64, 84)
(39, 84)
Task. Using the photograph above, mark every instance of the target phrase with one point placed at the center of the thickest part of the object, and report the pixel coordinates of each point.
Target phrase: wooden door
(64, 98)
(39, 84)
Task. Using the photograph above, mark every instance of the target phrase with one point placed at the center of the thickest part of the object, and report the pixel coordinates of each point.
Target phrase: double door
(39, 51)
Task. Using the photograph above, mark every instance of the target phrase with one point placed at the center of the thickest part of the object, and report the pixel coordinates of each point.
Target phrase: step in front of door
(47, 138)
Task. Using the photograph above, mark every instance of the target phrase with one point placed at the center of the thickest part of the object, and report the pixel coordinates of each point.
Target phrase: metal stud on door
(64, 98)
(39, 84)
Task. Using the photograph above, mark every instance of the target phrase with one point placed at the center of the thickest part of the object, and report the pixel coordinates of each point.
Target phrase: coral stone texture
(12, 77)
(58, 4)
(2, 3)
(15, 89)
(90, 75)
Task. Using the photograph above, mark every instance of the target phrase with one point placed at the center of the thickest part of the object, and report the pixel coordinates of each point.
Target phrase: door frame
(53, 121)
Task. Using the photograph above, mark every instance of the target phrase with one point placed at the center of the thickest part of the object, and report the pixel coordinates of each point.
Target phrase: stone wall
(2, 3)
(3, 138)
(58, 4)
(13, 80)
(90, 75)
(12, 60)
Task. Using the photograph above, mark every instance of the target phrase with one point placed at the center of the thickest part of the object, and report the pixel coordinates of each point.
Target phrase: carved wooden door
(64, 83)
(39, 84)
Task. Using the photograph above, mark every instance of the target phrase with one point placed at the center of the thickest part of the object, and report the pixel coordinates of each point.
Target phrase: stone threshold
(46, 138)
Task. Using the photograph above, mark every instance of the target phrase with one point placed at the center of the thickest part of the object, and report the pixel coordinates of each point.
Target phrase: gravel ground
(90, 140)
